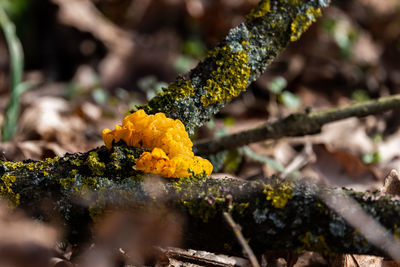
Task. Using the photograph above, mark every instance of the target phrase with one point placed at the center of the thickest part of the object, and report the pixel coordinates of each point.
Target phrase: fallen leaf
(392, 183)
(341, 169)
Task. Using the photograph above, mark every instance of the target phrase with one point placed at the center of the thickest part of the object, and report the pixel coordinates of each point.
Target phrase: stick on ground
(298, 124)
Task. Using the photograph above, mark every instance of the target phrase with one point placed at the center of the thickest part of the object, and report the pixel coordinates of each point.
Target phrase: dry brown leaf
(135, 232)
(389, 148)
(365, 50)
(308, 258)
(390, 263)
(50, 118)
(365, 261)
(35, 150)
(350, 260)
(353, 166)
(190, 257)
(347, 135)
(392, 184)
(58, 262)
(90, 112)
(381, 7)
(10, 151)
(340, 169)
(86, 17)
(23, 241)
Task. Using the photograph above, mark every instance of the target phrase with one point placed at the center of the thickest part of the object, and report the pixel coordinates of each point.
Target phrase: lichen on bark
(274, 214)
(239, 60)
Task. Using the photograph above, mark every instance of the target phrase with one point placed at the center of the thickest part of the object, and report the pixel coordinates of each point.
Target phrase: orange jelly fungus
(171, 155)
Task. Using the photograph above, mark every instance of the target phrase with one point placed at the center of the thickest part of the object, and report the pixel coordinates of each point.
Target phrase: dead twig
(84, 16)
(298, 124)
(238, 233)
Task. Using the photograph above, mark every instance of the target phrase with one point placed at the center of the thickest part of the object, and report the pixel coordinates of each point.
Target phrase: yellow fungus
(171, 148)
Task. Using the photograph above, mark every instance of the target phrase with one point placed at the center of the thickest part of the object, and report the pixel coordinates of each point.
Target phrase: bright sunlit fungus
(171, 148)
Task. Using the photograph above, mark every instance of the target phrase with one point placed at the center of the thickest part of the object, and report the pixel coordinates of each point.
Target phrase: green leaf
(184, 63)
(194, 47)
(151, 85)
(9, 128)
(100, 96)
(360, 96)
(277, 85)
(270, 162)
(371, 158)
(290, 100)
(233, 160)
(229, 121)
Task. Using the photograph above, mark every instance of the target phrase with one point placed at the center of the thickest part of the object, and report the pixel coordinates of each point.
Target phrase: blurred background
(88, 62)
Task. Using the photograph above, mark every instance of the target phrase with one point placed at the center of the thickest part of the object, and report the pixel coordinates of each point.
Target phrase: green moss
(131, 160)
(180, 89)
(30, 166)
(301, 23)
(229, 78)
(73, 172)
(115, 161)
(293, 2)
(96, 166)
(6, 190)
(240, 208)
(89, 182)
(314, 242)
(200, 210)
(280, 195)
(67, 182)
(51, 161)
(205, 207)
(13, 165)
(260, 11)
(76, 162)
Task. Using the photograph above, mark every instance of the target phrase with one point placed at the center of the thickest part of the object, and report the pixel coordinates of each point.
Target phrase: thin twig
(242, 241)
(355, 260)
(298, 124)
(84, 16)
(301, 160)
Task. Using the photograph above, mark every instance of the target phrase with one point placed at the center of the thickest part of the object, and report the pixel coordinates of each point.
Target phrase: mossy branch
(298, 124)
(274, 214)
(239, 60)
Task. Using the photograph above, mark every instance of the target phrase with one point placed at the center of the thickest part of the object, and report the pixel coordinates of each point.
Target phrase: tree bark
(274, 214)
(239, 60)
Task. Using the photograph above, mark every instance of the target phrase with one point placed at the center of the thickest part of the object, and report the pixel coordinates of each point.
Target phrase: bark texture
(274, 214)
(239, 60)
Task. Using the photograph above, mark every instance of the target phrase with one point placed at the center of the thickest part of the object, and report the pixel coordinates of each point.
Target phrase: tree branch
(239, 60)
(298, 124)
(273, 214)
